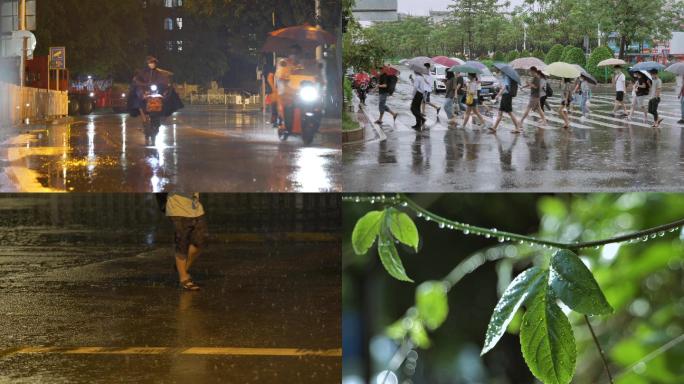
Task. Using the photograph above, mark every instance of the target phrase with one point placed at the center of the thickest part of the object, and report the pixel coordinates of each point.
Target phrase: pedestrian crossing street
(600, 116)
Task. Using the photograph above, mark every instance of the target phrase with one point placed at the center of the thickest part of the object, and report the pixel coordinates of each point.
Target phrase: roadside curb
(365, 120)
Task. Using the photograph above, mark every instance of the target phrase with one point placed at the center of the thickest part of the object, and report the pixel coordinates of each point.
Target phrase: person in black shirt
(386, 84)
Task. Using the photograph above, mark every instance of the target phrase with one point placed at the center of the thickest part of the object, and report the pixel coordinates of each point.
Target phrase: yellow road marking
(214, 351)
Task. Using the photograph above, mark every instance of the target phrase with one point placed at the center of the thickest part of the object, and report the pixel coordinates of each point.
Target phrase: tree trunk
(623, 46)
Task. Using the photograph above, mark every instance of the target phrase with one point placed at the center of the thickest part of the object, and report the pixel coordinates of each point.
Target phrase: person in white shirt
(187, 214)
(619, 81)
(429, 81)
(419, 87)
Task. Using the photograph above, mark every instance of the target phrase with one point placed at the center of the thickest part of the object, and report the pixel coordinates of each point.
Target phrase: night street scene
(90, 293)
(447, 96)
(163, 95)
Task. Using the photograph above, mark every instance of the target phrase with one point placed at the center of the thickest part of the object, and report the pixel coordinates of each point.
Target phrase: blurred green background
(642, 281)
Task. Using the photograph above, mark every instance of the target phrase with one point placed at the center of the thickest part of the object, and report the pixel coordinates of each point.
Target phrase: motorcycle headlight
(123, 95)
(154, 88)
(92, 94)
(309, 93)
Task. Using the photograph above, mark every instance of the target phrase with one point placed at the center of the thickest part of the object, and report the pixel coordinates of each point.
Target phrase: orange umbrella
(305, 36)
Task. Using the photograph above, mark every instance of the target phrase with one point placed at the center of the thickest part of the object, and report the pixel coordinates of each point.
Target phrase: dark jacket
(145, 78)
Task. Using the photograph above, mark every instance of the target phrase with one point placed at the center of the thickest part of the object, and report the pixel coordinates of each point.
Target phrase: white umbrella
(527, 63)
(418, 64)
(676, 68)
(561, 69)
(611, 63)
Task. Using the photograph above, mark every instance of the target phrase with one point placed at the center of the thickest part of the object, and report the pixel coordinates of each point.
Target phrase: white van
(438, 72)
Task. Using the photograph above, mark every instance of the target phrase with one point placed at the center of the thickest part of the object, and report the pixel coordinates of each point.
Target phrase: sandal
(189, 285)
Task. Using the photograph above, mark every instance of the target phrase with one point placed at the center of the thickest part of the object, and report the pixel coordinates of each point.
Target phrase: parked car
(489, 84)
(438, 72)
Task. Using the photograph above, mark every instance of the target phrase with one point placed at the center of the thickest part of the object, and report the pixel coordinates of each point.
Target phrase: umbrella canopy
(508, 71)
(306, 36)
(645, 73)
(403, 61)
(457, 60)
(611, 62)
(391, 71)
(647, 66)
(527, 63)
(583, 72)
(561, 69)
(418, 64)
(676, 68)
(476, 64)
(445, 61)
(465, 68)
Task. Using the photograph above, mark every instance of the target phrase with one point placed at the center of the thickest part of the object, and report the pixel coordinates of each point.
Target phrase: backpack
(549, 90)
(391, 84)
(513, 88)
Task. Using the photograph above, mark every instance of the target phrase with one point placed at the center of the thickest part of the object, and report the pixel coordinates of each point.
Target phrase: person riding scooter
(300, 101)
(152, 96)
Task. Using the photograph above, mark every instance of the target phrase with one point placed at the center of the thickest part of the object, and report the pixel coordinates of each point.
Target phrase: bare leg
(515, 122)
(540, 110)
(497, 121)
(524, 116)
(477, 112)
(466, 117)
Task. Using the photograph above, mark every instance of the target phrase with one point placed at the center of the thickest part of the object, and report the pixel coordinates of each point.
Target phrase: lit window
(179, 22)
(179, 45)
(168, 3)
(168, 24)
(169, 46)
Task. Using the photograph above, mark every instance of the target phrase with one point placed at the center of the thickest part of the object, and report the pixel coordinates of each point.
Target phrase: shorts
(382, 102)
(619, 95)
(533, 103)
(506, 104)
(653, 105)
(189, 231)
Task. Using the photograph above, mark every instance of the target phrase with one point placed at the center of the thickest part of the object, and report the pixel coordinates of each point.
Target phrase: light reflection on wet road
(201, 148)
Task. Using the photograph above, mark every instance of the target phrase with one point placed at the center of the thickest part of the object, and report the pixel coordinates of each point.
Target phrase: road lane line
(210, 351)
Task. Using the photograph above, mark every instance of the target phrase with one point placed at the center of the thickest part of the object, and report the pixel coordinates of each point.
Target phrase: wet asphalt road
(599, 153)
(207, 149)
(73, 287)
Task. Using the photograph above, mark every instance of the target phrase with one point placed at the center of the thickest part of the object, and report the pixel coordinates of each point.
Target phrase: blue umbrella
(647, 66)
(508, 71)
(476, 64)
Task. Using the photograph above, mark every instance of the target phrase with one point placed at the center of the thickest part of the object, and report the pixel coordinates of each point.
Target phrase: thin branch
(554, 244)
(598, 346)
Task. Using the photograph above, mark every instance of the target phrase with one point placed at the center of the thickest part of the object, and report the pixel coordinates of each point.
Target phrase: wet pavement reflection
(599, 153)
(101, 291)
(200, 148)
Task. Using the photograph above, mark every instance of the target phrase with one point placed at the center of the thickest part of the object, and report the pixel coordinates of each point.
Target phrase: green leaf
(390, 258)
(366, 230)
(419, 336)
(397, 330)
(511, 300)
(573, 283)
(546, 338)
(432, 304)
(403, 228)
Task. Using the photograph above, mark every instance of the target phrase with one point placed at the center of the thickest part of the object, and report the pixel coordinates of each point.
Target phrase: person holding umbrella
(640, 91)
(583, 90)
(535, 96)
(419, 89)
(472, 99)
(429, 80)
(654, 97)
(386, 83)
(566, 101)
(619, 81)
(450, 96)
(681, 100)
(506, 94)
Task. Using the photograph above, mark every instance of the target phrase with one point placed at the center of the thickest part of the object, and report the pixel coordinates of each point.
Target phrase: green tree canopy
(554, 54)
